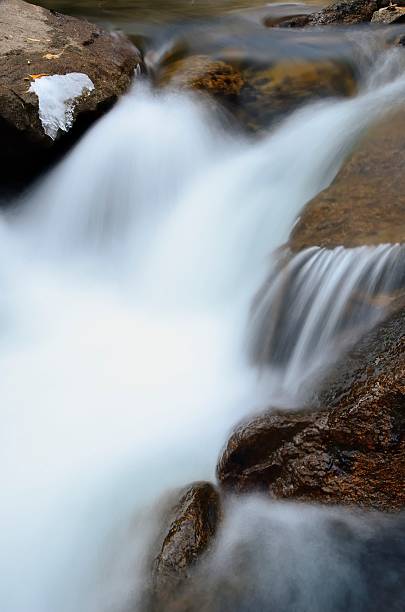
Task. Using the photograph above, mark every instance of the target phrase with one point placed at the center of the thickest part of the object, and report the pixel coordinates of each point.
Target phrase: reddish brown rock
(203, 73)
(258, 95)
(350, 452)
(36, 42)
(366, 202)
(190, 528)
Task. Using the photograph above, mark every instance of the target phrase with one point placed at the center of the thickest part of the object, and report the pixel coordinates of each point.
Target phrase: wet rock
(342, 12)
(36, 44)
(352, 451)
(365, 204)
(191, 526)
(345, 12)
(201, 72)
(271, 92)
(258, 95)
(390, 14)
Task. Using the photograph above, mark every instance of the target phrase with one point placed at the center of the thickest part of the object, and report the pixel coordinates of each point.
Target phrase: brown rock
(342, 12)
(35, 41)
(271, 92)
(345, 12)
(203, 73)
(258, 95)
(191, 526)
(351, 452)
(366, 202)
(390, 14)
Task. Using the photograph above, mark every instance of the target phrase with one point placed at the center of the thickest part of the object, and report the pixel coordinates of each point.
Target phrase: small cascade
(317, 304)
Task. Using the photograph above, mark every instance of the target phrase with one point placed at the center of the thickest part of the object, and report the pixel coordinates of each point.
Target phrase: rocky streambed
(344, 446)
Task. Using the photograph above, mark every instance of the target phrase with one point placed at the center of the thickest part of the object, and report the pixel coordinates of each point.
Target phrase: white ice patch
(57, 95)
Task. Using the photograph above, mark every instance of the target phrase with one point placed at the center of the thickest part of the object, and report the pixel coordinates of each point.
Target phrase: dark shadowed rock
(366, 202)
(190, 528)
(350, 452)
(36, 43)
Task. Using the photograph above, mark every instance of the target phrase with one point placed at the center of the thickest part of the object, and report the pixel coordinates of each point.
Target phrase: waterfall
(126, 278)
(317, 304)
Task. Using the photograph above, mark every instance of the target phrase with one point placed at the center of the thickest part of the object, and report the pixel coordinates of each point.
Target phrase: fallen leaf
(34, 77)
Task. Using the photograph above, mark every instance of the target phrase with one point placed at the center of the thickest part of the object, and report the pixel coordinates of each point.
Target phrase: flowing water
(313, 306)
(127, 277)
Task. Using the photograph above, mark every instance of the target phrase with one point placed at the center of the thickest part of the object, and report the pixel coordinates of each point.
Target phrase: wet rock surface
(345, 12)
(342, 12)
(266, 555)
(190, 529)
(271, 92)
(35, 42)
(365, 204)
(350, 450)
(202, 73)
(258, 95)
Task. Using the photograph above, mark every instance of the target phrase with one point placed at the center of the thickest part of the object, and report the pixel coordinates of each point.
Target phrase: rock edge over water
(36, 42)
(350, 452)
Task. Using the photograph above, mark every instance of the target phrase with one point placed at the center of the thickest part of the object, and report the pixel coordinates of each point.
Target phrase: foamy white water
(126, 280)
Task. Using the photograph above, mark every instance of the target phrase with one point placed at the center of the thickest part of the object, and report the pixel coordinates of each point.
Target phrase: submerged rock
(58, 74)
(352, 451)
(257, 95)
(366, 202)
(190, 529)
(201, 72)
(271, 92)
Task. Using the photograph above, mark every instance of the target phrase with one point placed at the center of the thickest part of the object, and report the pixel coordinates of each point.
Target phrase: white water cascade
(126, 280)
(317, 304)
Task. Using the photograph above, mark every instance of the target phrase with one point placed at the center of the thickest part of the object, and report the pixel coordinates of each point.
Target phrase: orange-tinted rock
(366, 202)
(350, 452)
(258, 95)
(201, 72)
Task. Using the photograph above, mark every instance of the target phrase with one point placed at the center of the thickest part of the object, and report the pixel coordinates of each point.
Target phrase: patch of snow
(57, 95)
